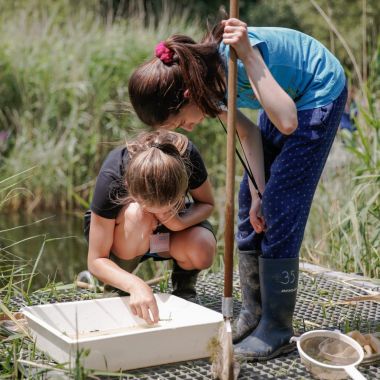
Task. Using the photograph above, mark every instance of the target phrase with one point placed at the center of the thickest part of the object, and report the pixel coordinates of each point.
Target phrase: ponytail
(157, 87)
(156, 173)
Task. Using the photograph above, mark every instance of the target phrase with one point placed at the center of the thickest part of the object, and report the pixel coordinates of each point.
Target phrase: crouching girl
(141, 209)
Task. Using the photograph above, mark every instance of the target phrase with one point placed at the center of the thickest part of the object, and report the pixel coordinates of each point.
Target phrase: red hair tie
(164, 53)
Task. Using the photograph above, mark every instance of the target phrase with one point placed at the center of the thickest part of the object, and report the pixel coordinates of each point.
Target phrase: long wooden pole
(230, 180)
(227, 304)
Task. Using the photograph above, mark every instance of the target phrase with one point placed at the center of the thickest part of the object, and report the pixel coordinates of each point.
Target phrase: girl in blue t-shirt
(300, 87)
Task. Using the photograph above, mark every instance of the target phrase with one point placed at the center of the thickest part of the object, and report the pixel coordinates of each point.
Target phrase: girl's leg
(286, 204)
(193, 248)
(248, 242)
(132, 232)
(294, 177)
(249, 247)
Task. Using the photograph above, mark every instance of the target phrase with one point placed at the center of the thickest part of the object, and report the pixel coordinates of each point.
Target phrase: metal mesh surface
(319, 305)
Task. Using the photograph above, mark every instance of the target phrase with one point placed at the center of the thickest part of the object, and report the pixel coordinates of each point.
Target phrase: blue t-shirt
(302, 66)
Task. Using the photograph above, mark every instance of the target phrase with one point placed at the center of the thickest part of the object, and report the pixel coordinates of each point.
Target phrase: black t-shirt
(110, 188)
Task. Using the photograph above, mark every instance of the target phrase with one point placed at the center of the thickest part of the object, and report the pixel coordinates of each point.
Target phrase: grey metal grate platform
(318, 306)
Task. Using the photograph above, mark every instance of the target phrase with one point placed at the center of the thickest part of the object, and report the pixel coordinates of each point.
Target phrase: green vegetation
(64, 69)
(343, 230)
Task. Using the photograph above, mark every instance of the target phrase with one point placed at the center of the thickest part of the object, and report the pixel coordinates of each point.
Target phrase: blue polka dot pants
(293, 166)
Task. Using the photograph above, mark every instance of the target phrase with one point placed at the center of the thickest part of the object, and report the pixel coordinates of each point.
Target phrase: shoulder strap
(244, 162)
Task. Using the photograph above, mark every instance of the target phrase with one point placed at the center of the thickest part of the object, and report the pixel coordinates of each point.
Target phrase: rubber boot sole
(280, 351)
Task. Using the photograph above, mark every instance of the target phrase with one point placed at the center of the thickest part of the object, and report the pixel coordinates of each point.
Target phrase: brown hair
(156, 88)
(156, 173)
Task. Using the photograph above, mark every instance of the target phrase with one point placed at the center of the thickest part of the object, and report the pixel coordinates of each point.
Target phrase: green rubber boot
(183, 282)
(278, 284)
(250, 312)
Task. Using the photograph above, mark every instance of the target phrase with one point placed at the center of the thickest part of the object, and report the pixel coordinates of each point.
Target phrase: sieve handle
(354, 373)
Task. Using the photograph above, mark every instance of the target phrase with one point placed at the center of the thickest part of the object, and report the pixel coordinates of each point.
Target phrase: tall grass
(18, 355)
(64, 74)
(64, 70)
(344, 227)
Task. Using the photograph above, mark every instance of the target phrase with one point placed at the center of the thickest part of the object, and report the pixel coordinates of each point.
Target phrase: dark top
(109, 184)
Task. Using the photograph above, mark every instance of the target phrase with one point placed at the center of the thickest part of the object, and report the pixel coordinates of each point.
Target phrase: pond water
(57, 240)
(58, 237)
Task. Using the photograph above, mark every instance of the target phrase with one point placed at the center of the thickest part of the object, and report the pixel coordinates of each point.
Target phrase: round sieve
(330, 355)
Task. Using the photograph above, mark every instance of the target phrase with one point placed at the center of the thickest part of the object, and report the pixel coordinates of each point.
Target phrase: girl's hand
(170, 220)
(142, 302)
(255, 216)
(236, 35)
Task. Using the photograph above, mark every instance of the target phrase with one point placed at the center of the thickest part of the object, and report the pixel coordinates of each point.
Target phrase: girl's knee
(194, 248)
(203, 255)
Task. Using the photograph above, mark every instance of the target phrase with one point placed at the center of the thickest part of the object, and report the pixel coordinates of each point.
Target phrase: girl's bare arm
(278, 105)
(200, 210)
(99, 264)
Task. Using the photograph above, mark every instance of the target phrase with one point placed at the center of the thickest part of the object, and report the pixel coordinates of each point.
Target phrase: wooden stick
(354, 300)
(230, 181)
(228, 370)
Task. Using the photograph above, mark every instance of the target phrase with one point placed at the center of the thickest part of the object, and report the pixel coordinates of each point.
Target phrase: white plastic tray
(116, 339)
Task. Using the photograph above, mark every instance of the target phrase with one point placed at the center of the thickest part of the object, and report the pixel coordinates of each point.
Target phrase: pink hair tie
(164, 53)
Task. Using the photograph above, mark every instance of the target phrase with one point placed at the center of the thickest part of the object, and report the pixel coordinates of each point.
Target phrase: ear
(186, 94)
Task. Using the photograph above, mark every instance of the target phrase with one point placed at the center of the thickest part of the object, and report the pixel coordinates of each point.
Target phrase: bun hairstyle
(156, 173)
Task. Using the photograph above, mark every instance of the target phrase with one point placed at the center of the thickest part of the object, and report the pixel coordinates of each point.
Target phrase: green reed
(344, 228)
(64, 101)
(64, 75)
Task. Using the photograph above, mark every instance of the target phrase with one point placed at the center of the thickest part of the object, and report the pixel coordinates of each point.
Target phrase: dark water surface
(58, 236)
(57, 239)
